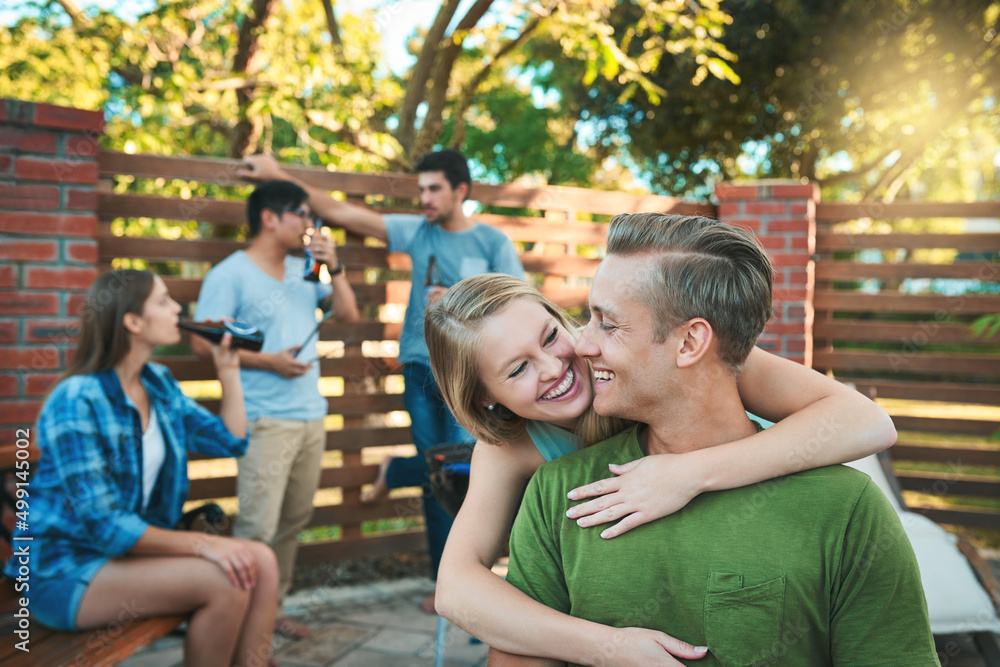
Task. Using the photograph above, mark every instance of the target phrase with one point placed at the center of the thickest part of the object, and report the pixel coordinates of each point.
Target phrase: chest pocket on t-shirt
(743, 623)
(473, 266)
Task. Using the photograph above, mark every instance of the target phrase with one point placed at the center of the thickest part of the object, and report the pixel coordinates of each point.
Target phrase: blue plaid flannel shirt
(85, 495)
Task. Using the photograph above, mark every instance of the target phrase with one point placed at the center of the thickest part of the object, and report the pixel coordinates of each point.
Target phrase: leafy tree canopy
(871, 99)
(206, 77)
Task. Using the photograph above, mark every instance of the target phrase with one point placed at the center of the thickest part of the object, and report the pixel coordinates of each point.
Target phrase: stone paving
(371, 625)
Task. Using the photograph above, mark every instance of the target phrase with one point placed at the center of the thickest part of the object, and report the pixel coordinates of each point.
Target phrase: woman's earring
(490, 406)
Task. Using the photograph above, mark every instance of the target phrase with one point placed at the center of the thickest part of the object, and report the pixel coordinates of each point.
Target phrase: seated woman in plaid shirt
(114, 435)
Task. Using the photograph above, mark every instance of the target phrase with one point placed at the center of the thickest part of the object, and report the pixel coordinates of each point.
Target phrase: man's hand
(286, 365)
(642, 490)
(324, 249)
(261, 168)
(435, 293)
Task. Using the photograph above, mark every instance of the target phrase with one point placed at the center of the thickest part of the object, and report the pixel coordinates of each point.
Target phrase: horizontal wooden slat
(972, 517)
(836, 212)
(985, 242)
(412, 541)
(355, 439)
(954, 456)
(215, 250)
(569, 265)
(843, 270)
(400, 186)
(984, 394)
(353, 514)
(185, 290)
(560, 266)
(350, 368)
(225, 487)
(347, 405)
(943, 485)
(208, 250)
(978, 427)
(907, 303)
(361, 331)
(906, 333)
(521, 229)
(215, 211)
(978, 365)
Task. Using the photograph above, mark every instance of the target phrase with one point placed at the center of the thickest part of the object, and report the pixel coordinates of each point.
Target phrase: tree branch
(848, 175)
(444, 65)
(417, 85)
(331, 24)
(247, 129)
(76, 15)
(470, 89)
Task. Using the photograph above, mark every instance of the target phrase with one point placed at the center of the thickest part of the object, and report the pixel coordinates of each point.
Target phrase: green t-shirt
(809, 569)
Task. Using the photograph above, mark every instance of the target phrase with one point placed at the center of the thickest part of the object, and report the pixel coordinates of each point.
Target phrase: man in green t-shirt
(809, 569)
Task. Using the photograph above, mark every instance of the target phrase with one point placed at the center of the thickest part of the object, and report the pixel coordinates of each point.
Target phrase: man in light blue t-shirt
(264, 286)
(445, 246)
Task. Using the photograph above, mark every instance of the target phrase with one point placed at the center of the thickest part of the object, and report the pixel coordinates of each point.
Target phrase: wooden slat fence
(893, 311)
(558, 231)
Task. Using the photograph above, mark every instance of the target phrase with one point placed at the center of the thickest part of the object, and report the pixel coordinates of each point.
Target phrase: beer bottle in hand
(244, 336)
(311, 271)
(433, 278)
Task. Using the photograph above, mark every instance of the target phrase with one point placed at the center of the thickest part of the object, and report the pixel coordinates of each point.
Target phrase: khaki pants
(276, 482)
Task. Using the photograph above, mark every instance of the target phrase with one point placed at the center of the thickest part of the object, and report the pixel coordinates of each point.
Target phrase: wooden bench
(103, 646)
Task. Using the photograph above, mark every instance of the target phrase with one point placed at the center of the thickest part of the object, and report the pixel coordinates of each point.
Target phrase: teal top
(552, 441)
(809, 569)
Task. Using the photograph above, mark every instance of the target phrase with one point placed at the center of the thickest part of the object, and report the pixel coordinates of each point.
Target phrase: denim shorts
(54, 602)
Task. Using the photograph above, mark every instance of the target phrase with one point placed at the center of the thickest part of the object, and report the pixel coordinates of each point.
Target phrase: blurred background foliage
(875, 100)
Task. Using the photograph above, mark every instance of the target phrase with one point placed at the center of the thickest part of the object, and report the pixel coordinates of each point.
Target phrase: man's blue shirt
(457, 255)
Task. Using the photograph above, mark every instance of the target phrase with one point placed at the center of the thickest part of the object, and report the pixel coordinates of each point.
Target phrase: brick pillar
(783, 216)
(48, 247)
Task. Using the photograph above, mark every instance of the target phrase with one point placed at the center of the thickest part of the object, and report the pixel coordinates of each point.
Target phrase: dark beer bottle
(433, 278)
(312, 267)
(244, 336)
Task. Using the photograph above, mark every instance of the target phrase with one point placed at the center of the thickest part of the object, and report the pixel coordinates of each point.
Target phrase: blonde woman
(504, 358)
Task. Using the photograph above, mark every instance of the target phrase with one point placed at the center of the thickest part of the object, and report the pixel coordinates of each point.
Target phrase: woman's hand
(643, 647)
(232, 555)
(224, 356)
(641, 490)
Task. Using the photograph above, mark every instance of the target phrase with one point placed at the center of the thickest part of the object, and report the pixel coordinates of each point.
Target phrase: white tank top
(154, 452)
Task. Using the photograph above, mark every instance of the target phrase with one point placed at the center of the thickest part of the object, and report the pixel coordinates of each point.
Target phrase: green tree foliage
(872, 99)
(206, 77)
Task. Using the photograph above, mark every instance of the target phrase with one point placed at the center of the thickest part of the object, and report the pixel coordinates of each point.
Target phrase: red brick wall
(783, 216)
(48, 247)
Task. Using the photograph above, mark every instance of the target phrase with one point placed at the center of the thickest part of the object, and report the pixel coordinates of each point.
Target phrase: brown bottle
(433, 278)
(244, 336)
(311, 271)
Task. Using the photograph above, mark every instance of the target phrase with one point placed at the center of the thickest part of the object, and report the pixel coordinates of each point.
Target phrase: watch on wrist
(338, 270)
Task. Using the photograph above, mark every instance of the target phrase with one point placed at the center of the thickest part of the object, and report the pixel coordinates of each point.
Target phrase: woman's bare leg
(223, 616)
(254, 646)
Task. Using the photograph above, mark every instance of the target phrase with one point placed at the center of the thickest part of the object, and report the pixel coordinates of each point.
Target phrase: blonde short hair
(452, 327)
(704, 268)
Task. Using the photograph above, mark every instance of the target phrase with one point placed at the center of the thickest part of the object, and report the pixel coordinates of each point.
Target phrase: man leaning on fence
(264, 286)
(445, 246)
(809, 569)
